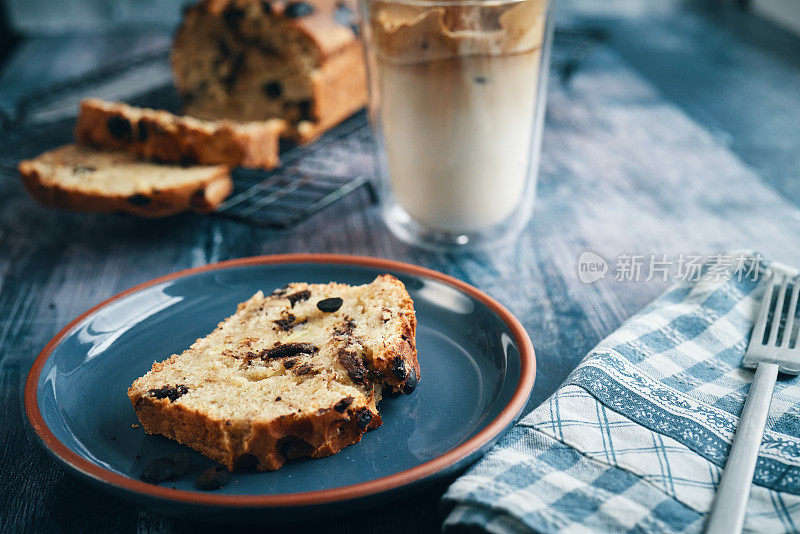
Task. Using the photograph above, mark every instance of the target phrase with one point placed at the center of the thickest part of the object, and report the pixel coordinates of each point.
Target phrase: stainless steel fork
(768, 357)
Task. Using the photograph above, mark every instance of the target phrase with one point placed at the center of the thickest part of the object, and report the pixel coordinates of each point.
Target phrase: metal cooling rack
(26, 107)
(309, 179)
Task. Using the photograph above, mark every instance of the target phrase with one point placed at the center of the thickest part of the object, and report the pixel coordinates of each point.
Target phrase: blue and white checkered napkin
(635, 439)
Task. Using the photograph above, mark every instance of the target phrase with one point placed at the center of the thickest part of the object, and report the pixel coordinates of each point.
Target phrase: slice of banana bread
(255, 59)
(161, 136)
(105, 181)
(296, 373)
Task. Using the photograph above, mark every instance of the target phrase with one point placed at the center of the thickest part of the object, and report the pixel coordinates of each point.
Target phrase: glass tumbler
(457, 92)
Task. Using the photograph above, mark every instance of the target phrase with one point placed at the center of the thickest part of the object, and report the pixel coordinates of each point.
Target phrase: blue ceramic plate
(477, 371)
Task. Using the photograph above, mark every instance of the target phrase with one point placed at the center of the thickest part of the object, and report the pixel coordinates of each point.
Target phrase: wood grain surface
(680, 133)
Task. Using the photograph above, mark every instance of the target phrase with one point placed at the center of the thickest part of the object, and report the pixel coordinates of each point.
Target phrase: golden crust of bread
(161, 136)
(245, 397)
(85, 179)
(263, 445)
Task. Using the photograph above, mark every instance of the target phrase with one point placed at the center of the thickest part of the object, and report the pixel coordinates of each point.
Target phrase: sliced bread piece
(161, 136)
(103, 181)
(296, 373)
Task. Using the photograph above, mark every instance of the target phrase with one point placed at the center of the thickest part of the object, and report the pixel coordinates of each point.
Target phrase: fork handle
(727, 514)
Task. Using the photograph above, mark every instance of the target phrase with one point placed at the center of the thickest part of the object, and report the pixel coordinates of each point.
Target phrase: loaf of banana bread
(253, 60)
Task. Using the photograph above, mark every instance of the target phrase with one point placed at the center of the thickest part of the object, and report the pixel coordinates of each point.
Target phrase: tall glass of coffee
(457, 91)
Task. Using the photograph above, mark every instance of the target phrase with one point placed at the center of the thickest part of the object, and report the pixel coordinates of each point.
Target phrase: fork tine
(787, 330)
(777, 313)
(761, 322)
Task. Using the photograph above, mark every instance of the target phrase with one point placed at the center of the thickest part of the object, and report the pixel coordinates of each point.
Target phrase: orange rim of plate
(326, 496)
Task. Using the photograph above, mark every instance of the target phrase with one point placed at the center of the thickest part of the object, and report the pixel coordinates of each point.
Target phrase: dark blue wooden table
(677, 134)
